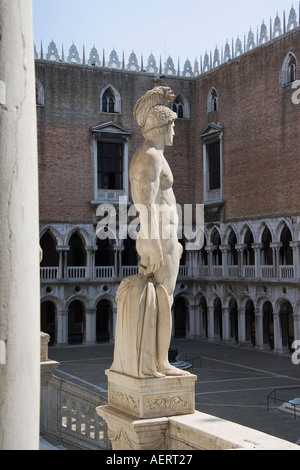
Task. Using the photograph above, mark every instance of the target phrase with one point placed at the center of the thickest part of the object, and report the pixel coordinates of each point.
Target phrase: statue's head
(152, 114)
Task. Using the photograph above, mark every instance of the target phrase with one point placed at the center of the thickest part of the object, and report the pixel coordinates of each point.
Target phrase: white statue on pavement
(144, 321)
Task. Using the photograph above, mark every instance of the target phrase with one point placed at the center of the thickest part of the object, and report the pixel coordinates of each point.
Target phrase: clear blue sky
(180, 28)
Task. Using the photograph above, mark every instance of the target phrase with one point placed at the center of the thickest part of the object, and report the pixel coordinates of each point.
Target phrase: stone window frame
(40, 93)
(212, 134)
(117, 99)
(181, 100)
(212, 100)
(285, 69)
(111, 132)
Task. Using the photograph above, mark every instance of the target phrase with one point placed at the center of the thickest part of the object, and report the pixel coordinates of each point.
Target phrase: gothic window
(178, 107)
(286, 252)
(39, 93)
(289, 69)
(110, 100)
(181, 106)
(232, 255)
(267, 253)
(248, 250)
(212, 101)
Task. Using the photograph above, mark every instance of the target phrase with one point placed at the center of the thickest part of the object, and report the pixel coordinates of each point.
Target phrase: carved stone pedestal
(127, 433)
(151, 397)
(138, 408)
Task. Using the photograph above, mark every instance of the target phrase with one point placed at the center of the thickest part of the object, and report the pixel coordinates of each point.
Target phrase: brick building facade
(235, 151)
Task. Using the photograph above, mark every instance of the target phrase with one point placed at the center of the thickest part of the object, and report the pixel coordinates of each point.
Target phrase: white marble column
(226, 325)
(62, 327)
(259, 330)
(211, 323)
(19, 232)
(277, 333)
(90, 326)
(241, 326)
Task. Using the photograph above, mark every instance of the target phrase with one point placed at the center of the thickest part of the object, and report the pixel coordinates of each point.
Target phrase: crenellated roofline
(209, 61)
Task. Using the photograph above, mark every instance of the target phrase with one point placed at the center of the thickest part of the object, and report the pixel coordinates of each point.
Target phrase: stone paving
(233, 383)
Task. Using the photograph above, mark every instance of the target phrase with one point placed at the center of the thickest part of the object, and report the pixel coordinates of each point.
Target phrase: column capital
(257, 246)
(63, 248)
(241, 247)
(276, 245)
(295, 245)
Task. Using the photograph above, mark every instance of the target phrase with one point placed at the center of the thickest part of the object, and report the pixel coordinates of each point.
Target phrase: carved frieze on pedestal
(151, 397)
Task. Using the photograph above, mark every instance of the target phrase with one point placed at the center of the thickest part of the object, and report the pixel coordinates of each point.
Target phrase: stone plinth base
(152, 397)
(126, 433)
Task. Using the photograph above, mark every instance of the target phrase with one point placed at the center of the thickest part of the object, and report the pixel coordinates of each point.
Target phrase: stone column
(209, 250)
(240, 250)
(225, 249)
(277, 333)
(297, 326)
(211, 323)
(241, 326)
(90, 326)
(296, 261)
(19, 232)
(90, 251)
(62, 327)
(276, 247)
(257, 249)
(259, 330)
(226, 327)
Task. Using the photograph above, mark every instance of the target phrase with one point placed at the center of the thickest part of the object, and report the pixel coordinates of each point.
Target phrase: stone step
(291, 407)
(182, 365)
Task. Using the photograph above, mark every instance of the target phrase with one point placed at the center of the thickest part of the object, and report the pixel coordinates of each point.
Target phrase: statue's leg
(164, 329)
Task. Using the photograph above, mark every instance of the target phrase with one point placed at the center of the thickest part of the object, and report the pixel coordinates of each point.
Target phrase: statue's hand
(155, 261)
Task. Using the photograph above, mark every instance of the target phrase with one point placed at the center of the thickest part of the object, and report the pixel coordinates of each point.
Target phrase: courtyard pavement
(233, 382)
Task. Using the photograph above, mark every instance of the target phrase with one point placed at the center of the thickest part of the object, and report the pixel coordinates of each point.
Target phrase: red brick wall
(72, 108)
(261, 144)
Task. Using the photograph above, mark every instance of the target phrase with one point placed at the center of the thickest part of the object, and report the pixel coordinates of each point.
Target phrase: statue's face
(169, 136)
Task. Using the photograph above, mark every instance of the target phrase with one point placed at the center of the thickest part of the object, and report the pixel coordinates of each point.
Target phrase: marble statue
(144, 321)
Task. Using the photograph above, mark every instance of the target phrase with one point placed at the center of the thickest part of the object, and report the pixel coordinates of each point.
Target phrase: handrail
(273, 396)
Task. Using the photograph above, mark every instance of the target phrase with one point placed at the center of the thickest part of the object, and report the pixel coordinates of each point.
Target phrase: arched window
(39, 93)
(50, 254)
(286, 251)
(289, 69)
(181, 106)
(232, 255)
(216, 242)
(110, 100)
(248, 251)
(76, 254)
(267, 253)
(178, 107)
(212, 101)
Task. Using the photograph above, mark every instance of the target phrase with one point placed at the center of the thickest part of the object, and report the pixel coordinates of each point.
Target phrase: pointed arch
(110, 100)
(289, 69)
(212, 100)
(85, 237)
(40, 93)
(181, 106)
